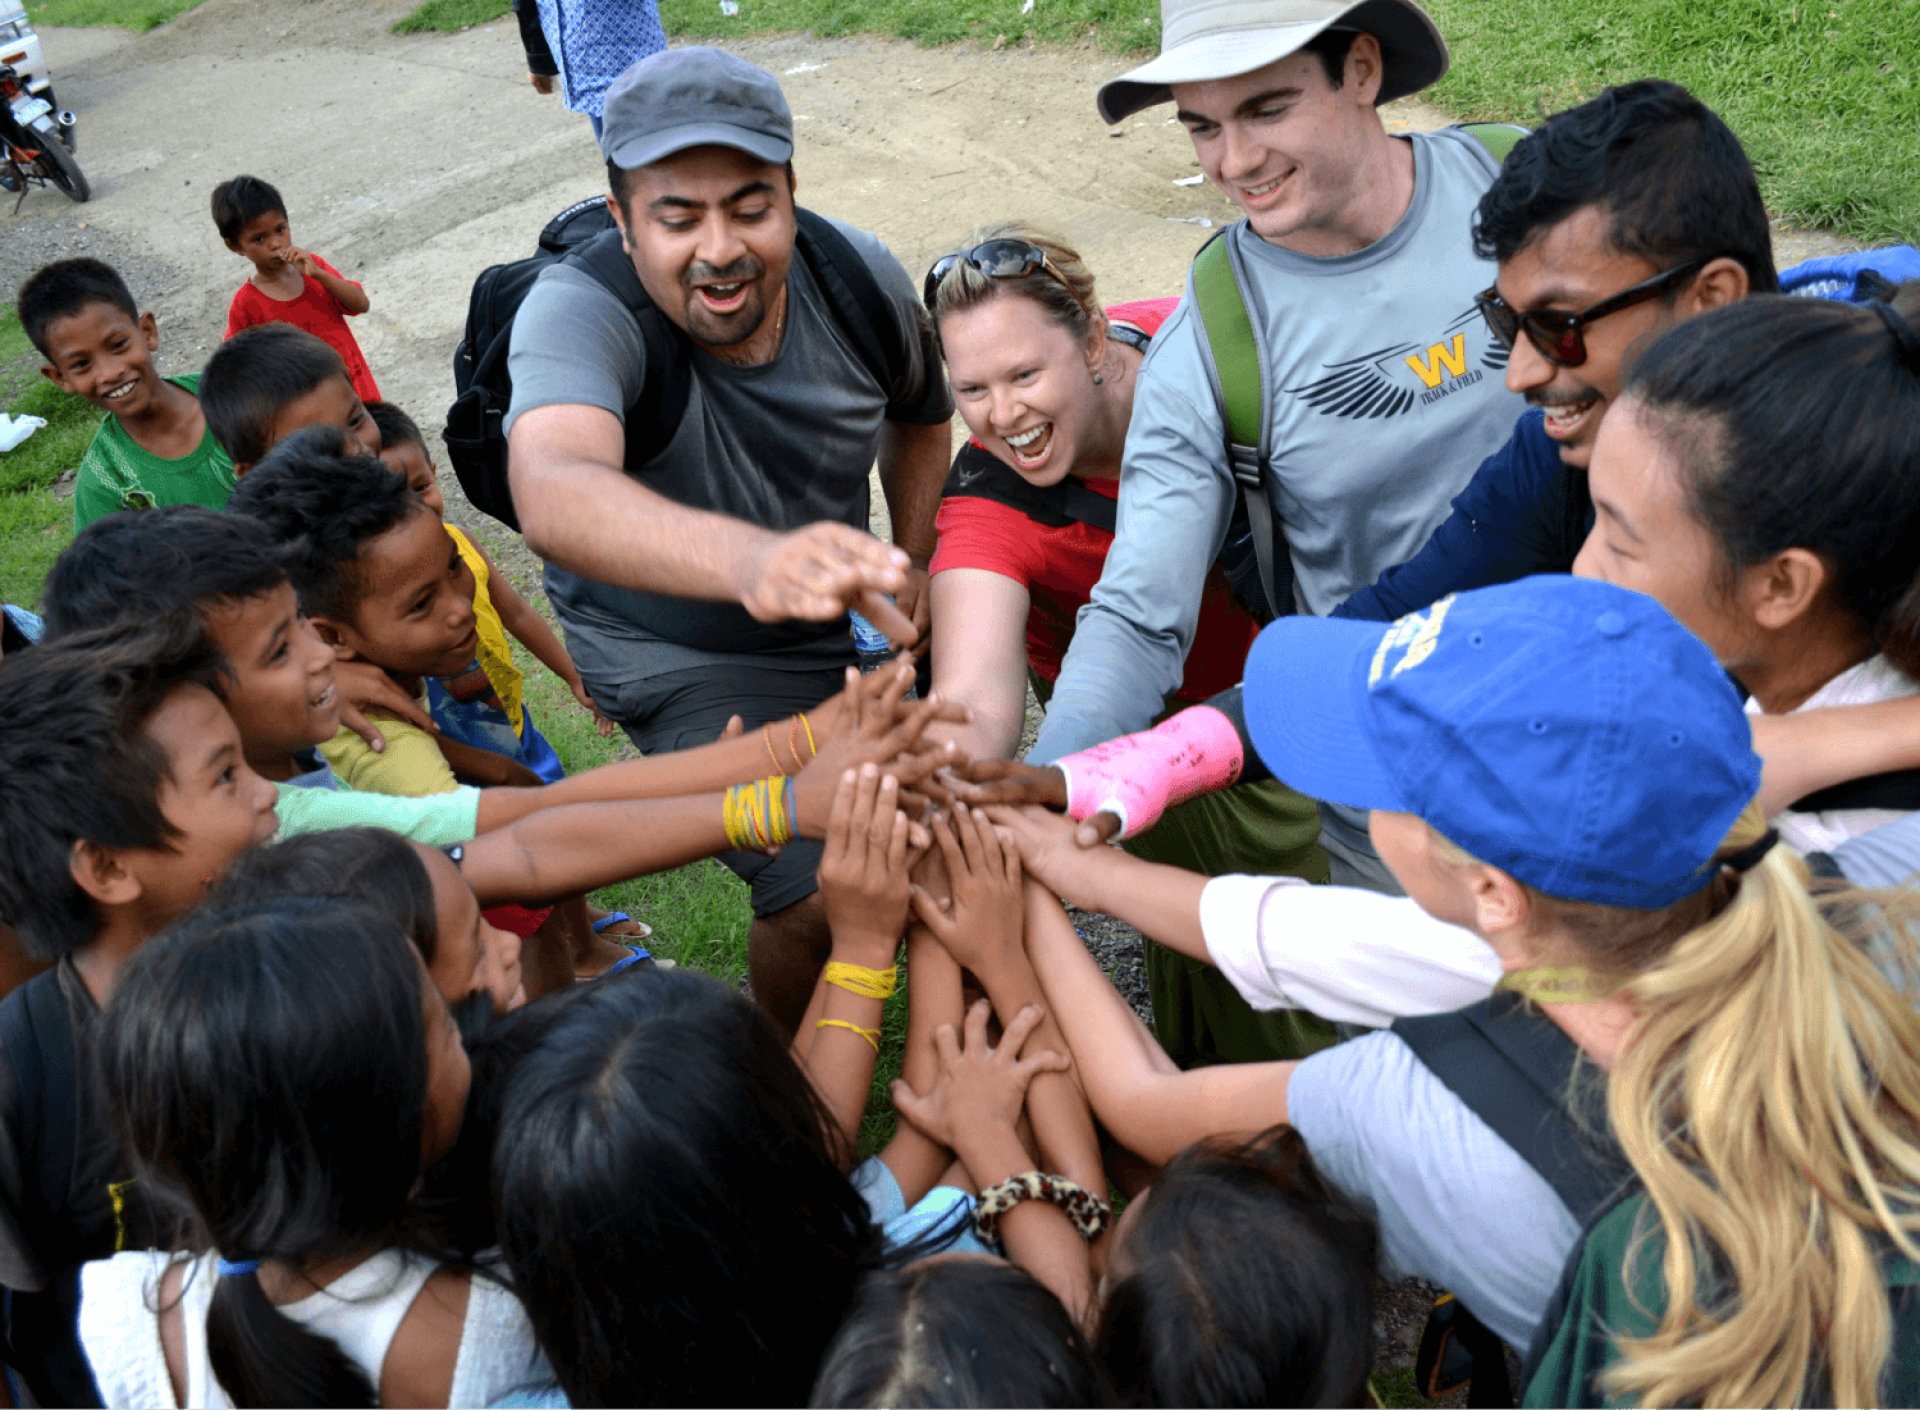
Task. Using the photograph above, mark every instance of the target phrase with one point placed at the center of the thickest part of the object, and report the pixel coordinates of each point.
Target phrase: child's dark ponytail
(266, 1064)
(263, 1359)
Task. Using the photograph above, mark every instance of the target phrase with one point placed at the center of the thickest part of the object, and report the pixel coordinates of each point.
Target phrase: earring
(1098, 379)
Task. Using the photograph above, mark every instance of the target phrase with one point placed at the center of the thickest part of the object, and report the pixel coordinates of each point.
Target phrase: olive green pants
(1262, 829)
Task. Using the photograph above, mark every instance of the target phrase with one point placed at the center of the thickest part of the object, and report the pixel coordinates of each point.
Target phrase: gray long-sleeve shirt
(1386, 393)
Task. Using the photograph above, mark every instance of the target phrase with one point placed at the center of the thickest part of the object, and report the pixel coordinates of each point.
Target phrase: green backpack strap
(1499, 138)
(1239, 369)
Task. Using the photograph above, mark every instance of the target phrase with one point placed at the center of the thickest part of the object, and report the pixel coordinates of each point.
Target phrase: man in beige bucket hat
(1380, 385)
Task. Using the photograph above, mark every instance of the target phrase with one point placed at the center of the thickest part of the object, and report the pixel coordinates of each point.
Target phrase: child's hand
(602, 726)
(1048, 843)
(361, 687)
(863, 871)
(879, 731)
(988, 913)
(980, 1089)
(303, 261)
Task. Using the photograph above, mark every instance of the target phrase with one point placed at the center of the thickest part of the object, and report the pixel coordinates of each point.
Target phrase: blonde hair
(1768, 1096)
(1066, 293)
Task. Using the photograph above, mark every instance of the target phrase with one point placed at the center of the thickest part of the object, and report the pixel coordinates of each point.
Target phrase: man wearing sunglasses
(1613, 222)
(1380, 383)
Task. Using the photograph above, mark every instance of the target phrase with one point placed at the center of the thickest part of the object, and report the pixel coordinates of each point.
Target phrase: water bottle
(871, 643)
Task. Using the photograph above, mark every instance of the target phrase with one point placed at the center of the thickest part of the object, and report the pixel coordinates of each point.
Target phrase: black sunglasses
(1560, 337)
(997, 259)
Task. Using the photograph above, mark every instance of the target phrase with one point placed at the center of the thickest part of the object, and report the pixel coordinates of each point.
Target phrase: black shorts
(683, 709)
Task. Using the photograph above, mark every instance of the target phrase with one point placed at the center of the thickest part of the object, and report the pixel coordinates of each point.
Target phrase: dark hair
(240, 200)
(1330, 47)
(326, 504)
(1251, 1283)
(143, 565)
(255, 373)
(958, 1332)
(669, 1205)
(266, 1066)
(77, 765)
(1670, 174)
(395, 426)
(368, 865)
(65, 287)
(1794, 421)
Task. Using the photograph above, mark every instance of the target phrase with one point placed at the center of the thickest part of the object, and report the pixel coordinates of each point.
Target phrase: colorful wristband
(759, 815)
(867, 983)
(872, 1035)
(1139, 776)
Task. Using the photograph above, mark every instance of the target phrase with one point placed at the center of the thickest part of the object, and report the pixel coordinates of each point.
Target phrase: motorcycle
(36, 143)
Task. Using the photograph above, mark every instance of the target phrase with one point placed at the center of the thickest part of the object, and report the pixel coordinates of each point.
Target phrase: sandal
(642, 930)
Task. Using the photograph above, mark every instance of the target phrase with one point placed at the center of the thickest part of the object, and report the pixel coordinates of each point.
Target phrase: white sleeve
(1348, 955)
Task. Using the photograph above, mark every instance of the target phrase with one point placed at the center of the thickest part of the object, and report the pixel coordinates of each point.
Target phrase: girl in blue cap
(1561, 769)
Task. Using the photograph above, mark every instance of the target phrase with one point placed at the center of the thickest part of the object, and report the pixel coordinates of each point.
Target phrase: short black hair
(326, 505)
(395, 426)
(77, 765)
(61, 289)
(1670, 174)
(255, 373)
(1330, 47)
(149, 564)
(240, 200)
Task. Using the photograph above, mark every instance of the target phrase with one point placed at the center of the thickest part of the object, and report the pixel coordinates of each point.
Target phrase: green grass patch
(1824, 94)
(35, 524)
(136, 15)
(451, 15)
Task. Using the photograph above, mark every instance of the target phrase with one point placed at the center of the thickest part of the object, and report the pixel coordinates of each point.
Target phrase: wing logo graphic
(1392, 381)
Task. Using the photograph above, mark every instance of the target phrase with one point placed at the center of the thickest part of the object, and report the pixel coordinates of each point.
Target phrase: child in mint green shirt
(154, 447)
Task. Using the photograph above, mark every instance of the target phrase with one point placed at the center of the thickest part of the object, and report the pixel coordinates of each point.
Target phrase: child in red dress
(289, 284)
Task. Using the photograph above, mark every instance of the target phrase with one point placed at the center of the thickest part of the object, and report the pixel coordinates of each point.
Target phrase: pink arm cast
(1139, 776)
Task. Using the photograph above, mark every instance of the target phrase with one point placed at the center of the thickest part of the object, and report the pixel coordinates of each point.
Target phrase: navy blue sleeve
(1509, 522)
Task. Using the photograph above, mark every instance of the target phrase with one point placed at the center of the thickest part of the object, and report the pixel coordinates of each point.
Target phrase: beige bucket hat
(1201, 40)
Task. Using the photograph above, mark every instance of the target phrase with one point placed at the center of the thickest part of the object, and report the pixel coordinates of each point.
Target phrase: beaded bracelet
(1089, 1213)
(867, 983)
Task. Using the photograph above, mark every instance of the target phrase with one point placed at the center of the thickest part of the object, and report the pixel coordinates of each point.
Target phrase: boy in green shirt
(154, 446)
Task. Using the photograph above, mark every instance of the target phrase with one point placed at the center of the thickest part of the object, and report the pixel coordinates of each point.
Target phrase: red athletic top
(1058, 567)
(316, 312)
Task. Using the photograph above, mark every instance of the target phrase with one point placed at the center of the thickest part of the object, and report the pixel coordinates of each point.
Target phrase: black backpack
(584, 235)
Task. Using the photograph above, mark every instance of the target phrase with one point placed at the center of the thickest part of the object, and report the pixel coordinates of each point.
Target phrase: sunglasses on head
(997, 259)
(1561, 337)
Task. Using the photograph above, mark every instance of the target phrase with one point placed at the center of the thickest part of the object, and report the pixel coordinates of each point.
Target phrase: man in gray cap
(1381, 383)
(690, 436)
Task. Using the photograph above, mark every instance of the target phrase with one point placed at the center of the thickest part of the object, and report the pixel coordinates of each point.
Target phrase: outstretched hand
(980, 1087)
(815, 573)
(1047, 842)
(1010, 783)
(863, 868)
(882, 731)
(987, 912)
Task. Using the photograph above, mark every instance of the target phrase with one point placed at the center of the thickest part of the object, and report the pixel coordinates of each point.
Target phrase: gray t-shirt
(782, 444)
(1457, 1205)
(1386, 393)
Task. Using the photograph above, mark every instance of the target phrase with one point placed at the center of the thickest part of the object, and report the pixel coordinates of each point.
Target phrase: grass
(451, 15)
(1825, 94)
(34, 523)
(136, 15)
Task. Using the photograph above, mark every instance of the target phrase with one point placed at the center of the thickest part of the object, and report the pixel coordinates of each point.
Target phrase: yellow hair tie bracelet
(759, 815)
(872, 1035)
(867, 983)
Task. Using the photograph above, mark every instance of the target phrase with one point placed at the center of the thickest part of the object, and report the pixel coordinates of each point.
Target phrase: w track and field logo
(1392, 381)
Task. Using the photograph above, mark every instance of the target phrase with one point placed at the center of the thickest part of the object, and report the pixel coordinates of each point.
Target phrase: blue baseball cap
(1567, 731)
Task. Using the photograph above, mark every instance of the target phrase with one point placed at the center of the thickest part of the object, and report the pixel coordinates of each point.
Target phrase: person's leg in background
(789, 941)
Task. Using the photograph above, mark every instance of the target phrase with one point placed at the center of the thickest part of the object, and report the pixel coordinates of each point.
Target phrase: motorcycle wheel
(58, 165)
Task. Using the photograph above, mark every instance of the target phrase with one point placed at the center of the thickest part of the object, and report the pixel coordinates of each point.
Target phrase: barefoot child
(154, 447)
(289, 284)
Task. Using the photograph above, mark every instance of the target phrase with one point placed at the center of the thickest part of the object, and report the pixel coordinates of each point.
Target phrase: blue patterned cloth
(595, 41)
